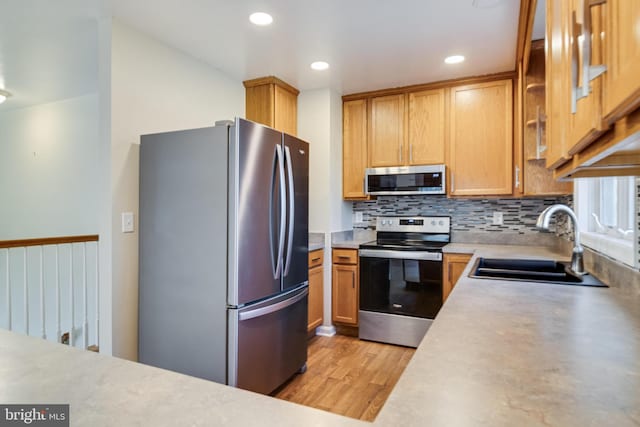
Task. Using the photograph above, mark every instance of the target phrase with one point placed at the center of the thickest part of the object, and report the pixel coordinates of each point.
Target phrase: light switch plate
(358, 218)
(127, 222)
(497, 218)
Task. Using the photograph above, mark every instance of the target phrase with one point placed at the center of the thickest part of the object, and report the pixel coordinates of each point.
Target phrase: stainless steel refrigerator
(223, 289)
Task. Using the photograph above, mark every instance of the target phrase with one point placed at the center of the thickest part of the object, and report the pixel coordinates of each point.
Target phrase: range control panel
(416, 224)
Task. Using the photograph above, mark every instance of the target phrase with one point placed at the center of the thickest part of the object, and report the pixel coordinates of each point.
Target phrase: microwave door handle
(292, 207)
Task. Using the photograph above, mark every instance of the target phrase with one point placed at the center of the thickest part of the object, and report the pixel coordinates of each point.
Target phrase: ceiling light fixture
(4, 95)
(454, 59)
(319, 65)
(261, 18)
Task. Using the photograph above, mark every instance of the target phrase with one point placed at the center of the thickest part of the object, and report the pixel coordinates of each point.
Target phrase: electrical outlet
(497, 218)
(358, 218)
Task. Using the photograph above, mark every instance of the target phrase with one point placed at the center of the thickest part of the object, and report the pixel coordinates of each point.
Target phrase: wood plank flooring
(347, 376)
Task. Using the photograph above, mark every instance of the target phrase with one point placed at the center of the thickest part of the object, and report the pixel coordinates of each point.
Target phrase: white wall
(48, 169)
(320, 124)
(154, 88)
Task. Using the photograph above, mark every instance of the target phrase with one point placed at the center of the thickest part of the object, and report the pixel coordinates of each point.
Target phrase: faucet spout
(577, 262)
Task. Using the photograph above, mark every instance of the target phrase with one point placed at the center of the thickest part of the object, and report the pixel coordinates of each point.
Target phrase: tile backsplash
(468, 215)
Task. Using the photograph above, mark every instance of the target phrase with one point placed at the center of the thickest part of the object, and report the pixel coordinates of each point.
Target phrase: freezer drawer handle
(263, 311)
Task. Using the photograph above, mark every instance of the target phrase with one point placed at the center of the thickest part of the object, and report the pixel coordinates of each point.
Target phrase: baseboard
(326, 331)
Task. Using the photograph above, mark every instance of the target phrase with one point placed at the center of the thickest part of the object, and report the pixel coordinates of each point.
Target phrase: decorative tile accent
(519, 215)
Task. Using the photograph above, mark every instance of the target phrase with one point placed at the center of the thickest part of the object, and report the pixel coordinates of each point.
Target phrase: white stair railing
(41, 280)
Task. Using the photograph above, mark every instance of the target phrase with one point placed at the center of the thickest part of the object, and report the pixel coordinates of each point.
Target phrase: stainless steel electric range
(401, 279)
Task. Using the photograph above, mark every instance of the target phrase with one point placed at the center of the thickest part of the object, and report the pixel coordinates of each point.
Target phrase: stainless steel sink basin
(531, 270)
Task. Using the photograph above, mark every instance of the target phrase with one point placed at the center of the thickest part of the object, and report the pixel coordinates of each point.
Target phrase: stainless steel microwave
(405, 180)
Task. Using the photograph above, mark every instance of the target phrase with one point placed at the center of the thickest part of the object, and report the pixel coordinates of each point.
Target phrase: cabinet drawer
(345, 256)
(316, 258)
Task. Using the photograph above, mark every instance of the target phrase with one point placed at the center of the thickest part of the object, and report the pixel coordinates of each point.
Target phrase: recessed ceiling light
(319, 65)
(261, 18)
(454, 59)
(4, 95)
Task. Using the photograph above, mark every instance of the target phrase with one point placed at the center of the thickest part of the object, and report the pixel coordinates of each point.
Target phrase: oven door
(407, 283)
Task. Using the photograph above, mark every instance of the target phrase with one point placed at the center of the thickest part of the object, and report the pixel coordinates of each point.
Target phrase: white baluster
(26, 293)
(42, 326)
(71, 293)
(8, 279)
(85, 323)
(98, 294)
(58, 329)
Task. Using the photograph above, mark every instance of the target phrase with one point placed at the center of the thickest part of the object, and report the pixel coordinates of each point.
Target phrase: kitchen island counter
(498, 354)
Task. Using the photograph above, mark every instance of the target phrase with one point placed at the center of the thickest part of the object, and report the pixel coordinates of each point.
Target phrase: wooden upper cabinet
(272, 102)
(426, 125)
(622, 57)
(558, 89)
(535, 178)
(481, 139)
(593, 88)
(285, 110)
(584, 120)
(387, 131)
(354, 148)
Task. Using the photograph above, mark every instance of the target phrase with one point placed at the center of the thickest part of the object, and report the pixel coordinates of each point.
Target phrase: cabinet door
(354, 148)
(585, 121)
(558, 89)
(316, 305)
(426, 127)
(259, 104)
(481, 139)
(345, 294)
(386, 136)
(285, 111)
(454, 265)
(622, 57)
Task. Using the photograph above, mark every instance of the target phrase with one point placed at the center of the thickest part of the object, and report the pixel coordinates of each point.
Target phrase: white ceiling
(48, 50)
(370, 44)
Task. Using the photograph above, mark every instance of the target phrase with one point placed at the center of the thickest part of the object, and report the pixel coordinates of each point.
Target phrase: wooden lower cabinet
(316, 303)
(453, 266)
(345, 287)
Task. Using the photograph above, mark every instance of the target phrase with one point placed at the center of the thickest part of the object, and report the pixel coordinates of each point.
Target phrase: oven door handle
(408, 255)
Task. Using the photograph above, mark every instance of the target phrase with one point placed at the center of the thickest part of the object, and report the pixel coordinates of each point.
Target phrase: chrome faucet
(577, 263)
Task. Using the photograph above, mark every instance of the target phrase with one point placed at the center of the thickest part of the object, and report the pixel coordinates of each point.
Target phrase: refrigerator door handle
(292, 206)
(283, 209)
(263, 311)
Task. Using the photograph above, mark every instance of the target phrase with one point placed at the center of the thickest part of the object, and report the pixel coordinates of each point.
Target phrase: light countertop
(316, 241)
(498, 354)
(351, 239)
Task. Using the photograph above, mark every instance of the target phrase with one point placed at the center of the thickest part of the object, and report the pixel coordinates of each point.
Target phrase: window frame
(588, 198)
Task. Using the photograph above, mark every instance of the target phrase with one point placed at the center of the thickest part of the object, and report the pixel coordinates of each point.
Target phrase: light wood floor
(347, 376)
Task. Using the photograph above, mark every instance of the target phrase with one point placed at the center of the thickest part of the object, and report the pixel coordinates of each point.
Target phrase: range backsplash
(476, 215)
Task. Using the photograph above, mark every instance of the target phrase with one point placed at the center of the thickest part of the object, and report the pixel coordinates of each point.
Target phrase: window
(606, 209)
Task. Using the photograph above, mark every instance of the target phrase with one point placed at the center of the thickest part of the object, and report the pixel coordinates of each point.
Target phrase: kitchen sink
(531, 270)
